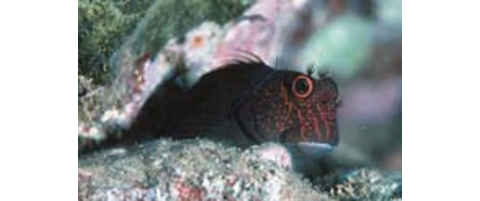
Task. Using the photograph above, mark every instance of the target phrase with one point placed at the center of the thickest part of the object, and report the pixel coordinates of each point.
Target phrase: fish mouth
(314, 148)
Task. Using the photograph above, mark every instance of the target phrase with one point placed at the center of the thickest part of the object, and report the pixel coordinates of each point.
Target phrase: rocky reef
(203, 170)
(104, 26)
(128, 48)
(113, 35)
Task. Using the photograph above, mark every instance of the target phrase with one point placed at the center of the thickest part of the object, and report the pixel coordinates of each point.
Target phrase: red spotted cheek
(331, 116)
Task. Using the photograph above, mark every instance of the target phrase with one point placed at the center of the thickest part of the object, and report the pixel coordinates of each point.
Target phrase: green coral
(102, 27)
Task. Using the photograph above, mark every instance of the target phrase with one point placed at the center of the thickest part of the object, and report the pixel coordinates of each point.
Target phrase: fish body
(246, 102)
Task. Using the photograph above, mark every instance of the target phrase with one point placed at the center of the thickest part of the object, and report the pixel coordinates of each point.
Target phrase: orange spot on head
(198, 41)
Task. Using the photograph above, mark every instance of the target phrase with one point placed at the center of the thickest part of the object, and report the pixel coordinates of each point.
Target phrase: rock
(362, 184)
(188, 170)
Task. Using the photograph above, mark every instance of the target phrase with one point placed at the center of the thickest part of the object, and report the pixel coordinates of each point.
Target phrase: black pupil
(302, 86)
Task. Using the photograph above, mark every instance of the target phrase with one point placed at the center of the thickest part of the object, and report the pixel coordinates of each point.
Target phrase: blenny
(246, 102)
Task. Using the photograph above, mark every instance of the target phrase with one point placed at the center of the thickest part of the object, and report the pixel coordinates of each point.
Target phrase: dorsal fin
(240, 56)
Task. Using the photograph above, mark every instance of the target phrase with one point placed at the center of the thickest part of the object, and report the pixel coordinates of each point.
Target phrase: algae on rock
(102, 27)
(172, 18)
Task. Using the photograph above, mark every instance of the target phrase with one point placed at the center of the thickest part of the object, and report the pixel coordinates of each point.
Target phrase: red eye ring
(302, 86)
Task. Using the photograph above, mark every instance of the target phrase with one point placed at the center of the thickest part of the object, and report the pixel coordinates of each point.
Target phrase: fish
(246, 102)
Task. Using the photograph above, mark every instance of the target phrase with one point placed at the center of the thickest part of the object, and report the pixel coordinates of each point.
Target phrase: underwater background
(127, 49)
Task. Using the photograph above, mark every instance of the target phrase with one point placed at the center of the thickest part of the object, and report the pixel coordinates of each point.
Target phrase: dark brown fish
(247, 102)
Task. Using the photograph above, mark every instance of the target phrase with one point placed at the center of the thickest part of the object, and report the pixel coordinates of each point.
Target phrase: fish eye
(302, 86)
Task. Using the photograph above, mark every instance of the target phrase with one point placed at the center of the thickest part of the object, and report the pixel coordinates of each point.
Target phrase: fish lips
(313, 148)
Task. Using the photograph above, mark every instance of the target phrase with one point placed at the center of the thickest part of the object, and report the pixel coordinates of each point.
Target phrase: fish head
(292, 108)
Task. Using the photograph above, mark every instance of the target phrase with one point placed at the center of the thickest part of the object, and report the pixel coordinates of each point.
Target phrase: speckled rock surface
(188, 170)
